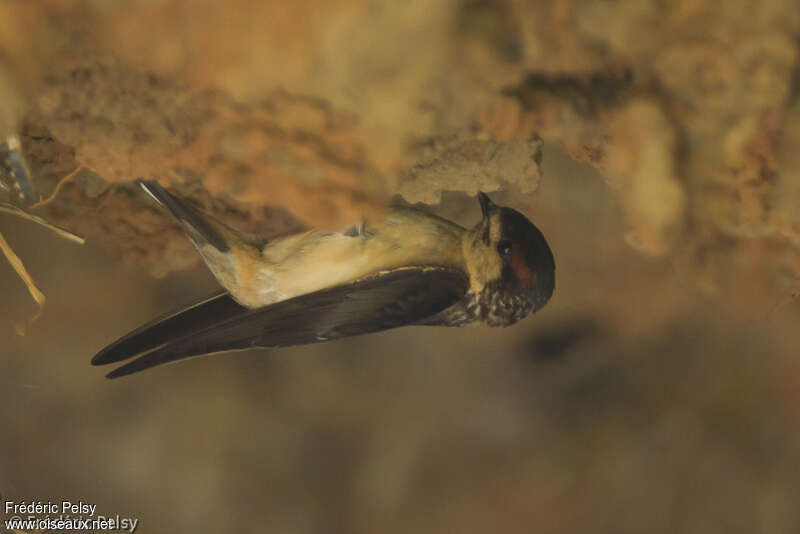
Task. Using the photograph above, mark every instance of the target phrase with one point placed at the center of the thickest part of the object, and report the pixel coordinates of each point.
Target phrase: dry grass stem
(16, 262)
(58, 187)
(61, 232)
(22, 272)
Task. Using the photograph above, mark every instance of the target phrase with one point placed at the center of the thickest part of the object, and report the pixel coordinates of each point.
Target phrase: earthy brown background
(657, 392)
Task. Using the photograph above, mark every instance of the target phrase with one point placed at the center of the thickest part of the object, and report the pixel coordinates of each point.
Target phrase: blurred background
(654, 145)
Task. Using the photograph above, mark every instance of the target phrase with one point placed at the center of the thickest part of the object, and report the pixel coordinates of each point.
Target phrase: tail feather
(195, 222)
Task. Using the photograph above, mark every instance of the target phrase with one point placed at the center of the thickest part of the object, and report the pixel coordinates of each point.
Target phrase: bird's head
(510, 264)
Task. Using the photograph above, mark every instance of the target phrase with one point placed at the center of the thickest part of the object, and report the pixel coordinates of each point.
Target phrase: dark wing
(386, 300)
(197, 317)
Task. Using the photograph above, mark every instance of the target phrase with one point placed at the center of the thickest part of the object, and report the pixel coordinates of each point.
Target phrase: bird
(407, 267)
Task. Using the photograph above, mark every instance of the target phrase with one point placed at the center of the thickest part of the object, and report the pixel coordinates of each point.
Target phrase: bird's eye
(505, 248)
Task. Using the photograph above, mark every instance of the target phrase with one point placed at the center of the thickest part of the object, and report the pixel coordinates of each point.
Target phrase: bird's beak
(487, 206)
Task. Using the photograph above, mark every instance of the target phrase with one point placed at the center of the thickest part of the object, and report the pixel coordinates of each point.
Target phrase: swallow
(408, 268)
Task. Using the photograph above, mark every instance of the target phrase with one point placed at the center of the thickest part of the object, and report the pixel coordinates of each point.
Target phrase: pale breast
(307, 262)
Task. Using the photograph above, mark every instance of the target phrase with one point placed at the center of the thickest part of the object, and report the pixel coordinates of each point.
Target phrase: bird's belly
(317, 261)
(327, 266)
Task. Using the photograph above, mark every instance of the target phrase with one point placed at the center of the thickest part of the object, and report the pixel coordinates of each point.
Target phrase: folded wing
(385, 300)
(213, 310)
